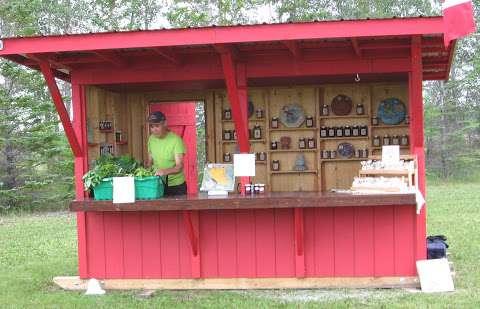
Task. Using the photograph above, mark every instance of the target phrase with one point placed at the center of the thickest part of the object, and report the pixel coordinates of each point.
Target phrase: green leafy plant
(143, 172)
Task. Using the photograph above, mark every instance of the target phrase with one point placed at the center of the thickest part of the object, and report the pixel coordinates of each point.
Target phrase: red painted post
(81, 167)
(62, 112)
(417, 138)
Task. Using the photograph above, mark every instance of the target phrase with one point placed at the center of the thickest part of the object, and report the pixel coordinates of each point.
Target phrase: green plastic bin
(149, 188)
(104, 190)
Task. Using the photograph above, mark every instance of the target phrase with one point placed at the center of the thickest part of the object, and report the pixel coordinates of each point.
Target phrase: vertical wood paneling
(185, 251)
(324, 242)
(384, 238)
(113, 245)
(285, 243)
(246, 251)
(265, 242)
(96, 245)
(132, 244)
(344, 241)
(208, 244)
(364, 245)
(309, 241)
(169, 252)
(405, 240)
(151, 259)
(227, 244)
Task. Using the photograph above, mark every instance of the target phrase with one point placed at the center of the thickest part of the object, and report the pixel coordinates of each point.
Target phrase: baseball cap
(156, 117)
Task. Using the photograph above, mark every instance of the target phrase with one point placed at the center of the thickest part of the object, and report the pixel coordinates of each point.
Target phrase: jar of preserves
(347, 131)
(227, 114)
(275, 165)
(395, 140)
(333, 154)
(301, 143)
(376, 141)
(360, 109)
(325, 154)
(311, 143)
(323, 132)
(404, 141)
(339, 132)
(363, 131)
(309, 122)
(386, 140)
(257, 132)
(274, 123)
(274, 145)
(259, 113)
(325, 110)
(227, 135)
(355, 131)
(227, 157)
(331, 131)
(262, 156)
(375, 121)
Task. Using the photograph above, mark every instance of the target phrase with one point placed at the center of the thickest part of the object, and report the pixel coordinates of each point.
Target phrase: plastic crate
(149, 188)
(104, 190)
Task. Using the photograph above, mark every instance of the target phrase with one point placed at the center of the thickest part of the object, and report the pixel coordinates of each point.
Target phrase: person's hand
(160, 173)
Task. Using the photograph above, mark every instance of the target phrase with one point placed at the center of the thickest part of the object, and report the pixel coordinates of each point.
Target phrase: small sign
(123, 190)
(435, 275)
(244, 164)
(391, 154)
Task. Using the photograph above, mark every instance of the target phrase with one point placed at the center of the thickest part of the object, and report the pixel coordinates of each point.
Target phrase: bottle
(386, 140)
(325, 110)
(274, 145)
(360, 109)
(374, 120)
(227, 135)
(275, 165)
(311, 143)
(325, 154)
(333, 154)
(404, 140)
(227, 114)
(339, 132)
(274, 123)
(323, 132)
(301, 143)
(227, 157)
(257, 132)
(331, 132)
(395, 140)
(262, 156)
(363, 131)
(259, 114)
(355, 131)
(347, 131)
(376, 141)
(309, 122)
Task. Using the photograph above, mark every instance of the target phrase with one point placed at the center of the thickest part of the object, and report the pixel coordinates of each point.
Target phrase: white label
(435, 275)
(244, 164)
(123, 190)
(390, 154)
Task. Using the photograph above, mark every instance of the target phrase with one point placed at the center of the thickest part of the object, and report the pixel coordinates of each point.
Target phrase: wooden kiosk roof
(195, 50)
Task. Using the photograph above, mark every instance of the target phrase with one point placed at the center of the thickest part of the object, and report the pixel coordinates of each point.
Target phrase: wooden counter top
(235, 201)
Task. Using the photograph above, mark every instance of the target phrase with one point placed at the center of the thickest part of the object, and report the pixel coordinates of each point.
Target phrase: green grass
(35, 248)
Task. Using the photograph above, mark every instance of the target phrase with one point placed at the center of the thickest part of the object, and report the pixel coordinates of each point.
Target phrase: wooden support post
(62, 111)
(236, 81)
(190, 219)
(417, 138)
(81, 167)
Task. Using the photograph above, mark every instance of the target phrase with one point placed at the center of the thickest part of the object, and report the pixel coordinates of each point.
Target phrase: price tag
(391, 155)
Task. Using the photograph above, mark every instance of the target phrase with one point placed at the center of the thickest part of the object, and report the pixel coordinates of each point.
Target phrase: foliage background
(36, 163)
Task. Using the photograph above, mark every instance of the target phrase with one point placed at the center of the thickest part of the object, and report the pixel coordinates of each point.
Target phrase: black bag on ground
(436, 247)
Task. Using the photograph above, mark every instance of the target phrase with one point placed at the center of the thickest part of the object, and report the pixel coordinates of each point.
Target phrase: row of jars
(345, 131)
(332, 154)
(255, 133)
(387, 140)
(303, 143)
(259, 156)
(359, 110)
(227, 114)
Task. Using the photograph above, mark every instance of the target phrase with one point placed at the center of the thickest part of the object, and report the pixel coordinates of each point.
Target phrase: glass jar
(404, 141)
(360, 109)
(331, 131)
(333, 154)
(227, 135)
(309, 123)
(259, 113)
(274, 123)
(301, 143)
(386, 140)
(311, 143)
(339, 132)
(275, 165)
(323, 132)
(355, 131)
(257, 132)
(363, 131)
(395, 140)
(227, 157)
(326, 154)
(325, 110)
(227, 114)
(347, 131)
(274, 145)
(376, 141)
(374, 121)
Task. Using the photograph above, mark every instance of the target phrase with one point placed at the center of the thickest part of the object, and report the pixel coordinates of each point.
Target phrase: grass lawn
(35, 248)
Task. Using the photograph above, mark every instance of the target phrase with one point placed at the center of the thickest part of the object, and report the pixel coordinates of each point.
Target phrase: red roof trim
(225, 35)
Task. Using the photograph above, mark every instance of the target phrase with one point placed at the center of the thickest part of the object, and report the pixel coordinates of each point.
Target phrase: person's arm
(149, 161)
(174, 170)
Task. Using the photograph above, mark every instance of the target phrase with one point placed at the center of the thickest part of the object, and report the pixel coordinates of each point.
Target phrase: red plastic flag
(458, 19)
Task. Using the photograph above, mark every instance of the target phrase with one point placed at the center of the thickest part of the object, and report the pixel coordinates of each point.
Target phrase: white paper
(420, 200)
(123, 190)
(390, 154)
(435, 275)
(244, 164)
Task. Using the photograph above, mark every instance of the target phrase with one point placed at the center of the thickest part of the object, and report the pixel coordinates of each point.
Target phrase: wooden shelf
(260, 162)
(249, 120)
(121, 143)
(322, 139)
(380, 148)
(341, 160)
(293, 129)
(92, 144)
(295, 172)
(343, 117)
(385, 126)
(106, 131)
(250, 141)
(293, 150)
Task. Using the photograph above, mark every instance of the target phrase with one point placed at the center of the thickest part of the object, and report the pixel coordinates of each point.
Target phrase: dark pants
(176, 190)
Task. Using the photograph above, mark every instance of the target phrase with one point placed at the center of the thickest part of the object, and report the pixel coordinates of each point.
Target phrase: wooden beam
(34, 66)
(50, 59)
(60, 106)
(293, 48)
(111, 57)
(74, 283)
(356, 47)
(168, 55)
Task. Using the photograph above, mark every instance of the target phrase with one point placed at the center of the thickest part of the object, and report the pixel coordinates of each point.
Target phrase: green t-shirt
(163, 151)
